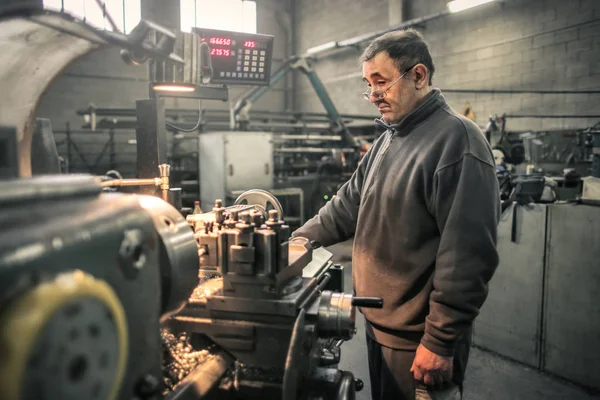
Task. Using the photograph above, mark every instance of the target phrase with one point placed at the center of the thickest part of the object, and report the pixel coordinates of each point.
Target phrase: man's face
(379, 73)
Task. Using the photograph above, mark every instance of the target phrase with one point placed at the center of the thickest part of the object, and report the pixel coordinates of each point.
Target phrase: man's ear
(421, 76)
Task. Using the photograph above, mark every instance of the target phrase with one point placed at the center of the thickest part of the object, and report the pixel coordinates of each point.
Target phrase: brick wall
(103, 79)
(520, 44)
(320, 22)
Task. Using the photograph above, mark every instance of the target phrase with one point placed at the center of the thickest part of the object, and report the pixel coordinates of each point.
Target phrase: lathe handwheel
(262, 200)
(65, 338)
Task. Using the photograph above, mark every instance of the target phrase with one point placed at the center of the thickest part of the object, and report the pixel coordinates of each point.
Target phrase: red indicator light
(223, 41)
(220, 52)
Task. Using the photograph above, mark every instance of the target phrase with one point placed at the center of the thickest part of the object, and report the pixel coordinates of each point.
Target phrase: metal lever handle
(367, 302)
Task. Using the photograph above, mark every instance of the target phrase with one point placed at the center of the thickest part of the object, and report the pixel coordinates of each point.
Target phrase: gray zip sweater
(423, 207)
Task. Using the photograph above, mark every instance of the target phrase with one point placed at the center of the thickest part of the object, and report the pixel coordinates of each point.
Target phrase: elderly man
(423, 207)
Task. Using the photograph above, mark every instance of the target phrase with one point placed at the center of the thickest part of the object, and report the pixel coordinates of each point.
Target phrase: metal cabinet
(571, 344)
(510, 319)
(233, 160)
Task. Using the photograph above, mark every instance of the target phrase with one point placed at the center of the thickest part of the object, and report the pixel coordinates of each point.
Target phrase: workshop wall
(103, 79)
(520, 44)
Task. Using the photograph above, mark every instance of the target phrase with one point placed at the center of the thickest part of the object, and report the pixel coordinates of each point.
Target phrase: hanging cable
(107, 15)
(189, 130)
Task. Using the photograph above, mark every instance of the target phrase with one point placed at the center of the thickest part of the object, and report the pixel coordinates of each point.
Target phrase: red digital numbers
(250, 44)
(220, 40)
(220, 52)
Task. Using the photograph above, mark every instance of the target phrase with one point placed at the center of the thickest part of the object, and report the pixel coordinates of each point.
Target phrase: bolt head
(257, 219)
(131, 252)
(245, 217)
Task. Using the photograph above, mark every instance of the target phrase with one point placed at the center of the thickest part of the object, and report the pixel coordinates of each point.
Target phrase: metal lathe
(119, 296)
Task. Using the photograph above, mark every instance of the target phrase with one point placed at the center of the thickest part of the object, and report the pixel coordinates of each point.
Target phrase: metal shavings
(210, 284)
(179, 358)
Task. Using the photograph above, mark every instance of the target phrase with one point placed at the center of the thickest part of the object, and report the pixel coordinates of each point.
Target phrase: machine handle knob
(367, 302)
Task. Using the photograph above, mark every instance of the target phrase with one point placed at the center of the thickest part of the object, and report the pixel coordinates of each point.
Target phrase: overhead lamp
(189, 79)
(173, 87)
(461, 5)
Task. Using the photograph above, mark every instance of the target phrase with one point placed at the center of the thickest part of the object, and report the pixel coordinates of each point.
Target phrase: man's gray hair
(406, 48)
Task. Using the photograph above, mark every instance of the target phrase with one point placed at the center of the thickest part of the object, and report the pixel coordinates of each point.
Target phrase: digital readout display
(238, 58)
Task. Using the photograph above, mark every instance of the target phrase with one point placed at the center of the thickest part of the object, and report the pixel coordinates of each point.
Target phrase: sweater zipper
(385, 149)
(382, 155)
(387, 146)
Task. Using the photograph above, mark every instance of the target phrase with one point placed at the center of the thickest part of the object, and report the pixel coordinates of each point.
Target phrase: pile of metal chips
(179, 358)
(210, 284)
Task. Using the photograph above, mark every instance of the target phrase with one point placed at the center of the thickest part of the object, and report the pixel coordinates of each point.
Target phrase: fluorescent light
(461, 5)
(173, 87)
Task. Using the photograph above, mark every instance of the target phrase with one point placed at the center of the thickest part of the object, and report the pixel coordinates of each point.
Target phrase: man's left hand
(431, 369)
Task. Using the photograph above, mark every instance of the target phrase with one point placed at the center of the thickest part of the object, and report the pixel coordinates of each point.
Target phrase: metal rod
(284, 137)
(367, 302)
(113, 151)
(81, 156)
(312, 294)
(309, 150)
(193, 113)
(520, 91)
(323, 282)
(205, 378)
(68, 132)
(106, 15)
(132, 182)
(550, 116)
(101, 155)
(124, 16)
(356, 40)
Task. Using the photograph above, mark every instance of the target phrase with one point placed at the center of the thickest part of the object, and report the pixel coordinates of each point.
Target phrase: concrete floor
(489, 376)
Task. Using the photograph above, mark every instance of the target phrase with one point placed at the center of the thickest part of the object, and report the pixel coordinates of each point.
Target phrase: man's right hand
(433, 370)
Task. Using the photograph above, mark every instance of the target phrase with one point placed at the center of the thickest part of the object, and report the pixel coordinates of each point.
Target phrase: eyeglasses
(380, 94)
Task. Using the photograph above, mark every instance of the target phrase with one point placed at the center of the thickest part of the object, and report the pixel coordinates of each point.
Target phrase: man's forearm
(335, 222)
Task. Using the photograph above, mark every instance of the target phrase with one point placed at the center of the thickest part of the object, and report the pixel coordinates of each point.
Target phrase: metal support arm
(243, 106)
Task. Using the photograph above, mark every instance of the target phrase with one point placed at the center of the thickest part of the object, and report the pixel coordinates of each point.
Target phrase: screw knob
(273, 215)
(164, 169)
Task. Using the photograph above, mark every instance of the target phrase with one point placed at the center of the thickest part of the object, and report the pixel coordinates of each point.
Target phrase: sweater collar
(434, 101)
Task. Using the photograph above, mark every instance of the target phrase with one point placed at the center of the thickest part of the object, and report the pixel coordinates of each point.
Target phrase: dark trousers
(389, 370)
